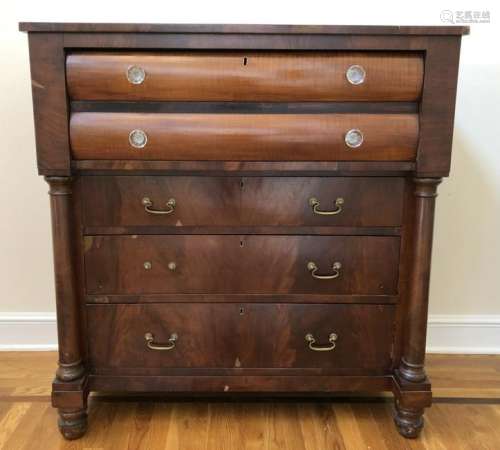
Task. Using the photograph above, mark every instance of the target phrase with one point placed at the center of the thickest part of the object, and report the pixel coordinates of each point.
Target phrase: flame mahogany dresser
(242, 209)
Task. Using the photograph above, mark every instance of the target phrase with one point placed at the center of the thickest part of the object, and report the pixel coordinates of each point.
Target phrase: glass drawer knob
(354, 138)
(355, 74)
(138, 138)
(136, 74)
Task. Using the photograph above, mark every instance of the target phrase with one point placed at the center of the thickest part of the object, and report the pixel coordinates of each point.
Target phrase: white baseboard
(28, 331)
(468, 334)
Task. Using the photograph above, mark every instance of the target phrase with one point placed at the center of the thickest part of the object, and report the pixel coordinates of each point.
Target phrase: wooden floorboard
(465, 416)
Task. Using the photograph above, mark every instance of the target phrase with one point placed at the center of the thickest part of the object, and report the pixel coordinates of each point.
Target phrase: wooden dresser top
(238, 28)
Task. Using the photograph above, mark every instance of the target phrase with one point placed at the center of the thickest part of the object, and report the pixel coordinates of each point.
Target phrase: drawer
(245, 76)
(227, 264)
(244, 137)
(240, 336)
(234, 201)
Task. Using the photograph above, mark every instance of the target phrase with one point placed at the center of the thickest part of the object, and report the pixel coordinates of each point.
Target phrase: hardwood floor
(465, 415)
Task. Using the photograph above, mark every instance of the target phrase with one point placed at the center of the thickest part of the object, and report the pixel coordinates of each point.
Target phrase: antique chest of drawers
(242, 209)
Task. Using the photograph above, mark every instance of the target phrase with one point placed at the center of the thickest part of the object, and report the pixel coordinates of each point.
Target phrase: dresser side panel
(50, 105)
(437, 109)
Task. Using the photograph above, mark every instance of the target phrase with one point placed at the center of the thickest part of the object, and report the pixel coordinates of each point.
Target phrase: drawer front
(245, 76)
(235, 201)
(240, 264)
(244, 137)
(240, 336)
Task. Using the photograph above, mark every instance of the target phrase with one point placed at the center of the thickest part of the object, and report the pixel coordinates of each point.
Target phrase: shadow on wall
(466, 254)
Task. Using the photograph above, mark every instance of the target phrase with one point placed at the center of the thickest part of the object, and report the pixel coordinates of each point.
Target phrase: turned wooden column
(68, 308)
(412, 362)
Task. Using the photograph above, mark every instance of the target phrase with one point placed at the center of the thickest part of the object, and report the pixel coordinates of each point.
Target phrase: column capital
(59, 185)
(426, 187)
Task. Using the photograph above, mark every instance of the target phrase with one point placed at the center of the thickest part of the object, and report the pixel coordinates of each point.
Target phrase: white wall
(467, 246)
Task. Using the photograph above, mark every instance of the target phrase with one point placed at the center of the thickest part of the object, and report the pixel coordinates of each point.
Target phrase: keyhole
(242, 311)
(245, 61)
(241, 243)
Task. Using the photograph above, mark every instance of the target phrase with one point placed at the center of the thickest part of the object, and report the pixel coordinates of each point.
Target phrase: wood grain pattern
(267, 230)
(415, 320)
(258, 385)
(241, 201)
(244, 168)
(249, 107)
(437, 108)
(405, 266)
(239, 264)
(67, 297)
(105, 41)
(50, 107)
(243, 298)
(238, 28)
(277, 425)
(240, 336)
(297, 137)
(244, 76)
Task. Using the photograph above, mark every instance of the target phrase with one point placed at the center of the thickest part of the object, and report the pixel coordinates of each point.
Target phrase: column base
(414, 373)
(71, 371)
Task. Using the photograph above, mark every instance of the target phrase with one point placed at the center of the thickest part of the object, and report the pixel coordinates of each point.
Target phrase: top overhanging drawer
(245, 76)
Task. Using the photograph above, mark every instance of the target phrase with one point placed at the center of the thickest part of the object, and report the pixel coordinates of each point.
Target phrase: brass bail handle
(313, 268)
(314, 204)
(319, 347)
(148, 206)
(161, 347)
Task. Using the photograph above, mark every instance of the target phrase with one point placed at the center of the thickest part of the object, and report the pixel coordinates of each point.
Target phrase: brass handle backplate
(313, 268)
(321, 348)
(151, 345)
(148, 206)
(314, 204)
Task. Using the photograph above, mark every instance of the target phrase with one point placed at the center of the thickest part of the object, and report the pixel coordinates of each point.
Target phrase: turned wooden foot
(409, 422)
(72, 423)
